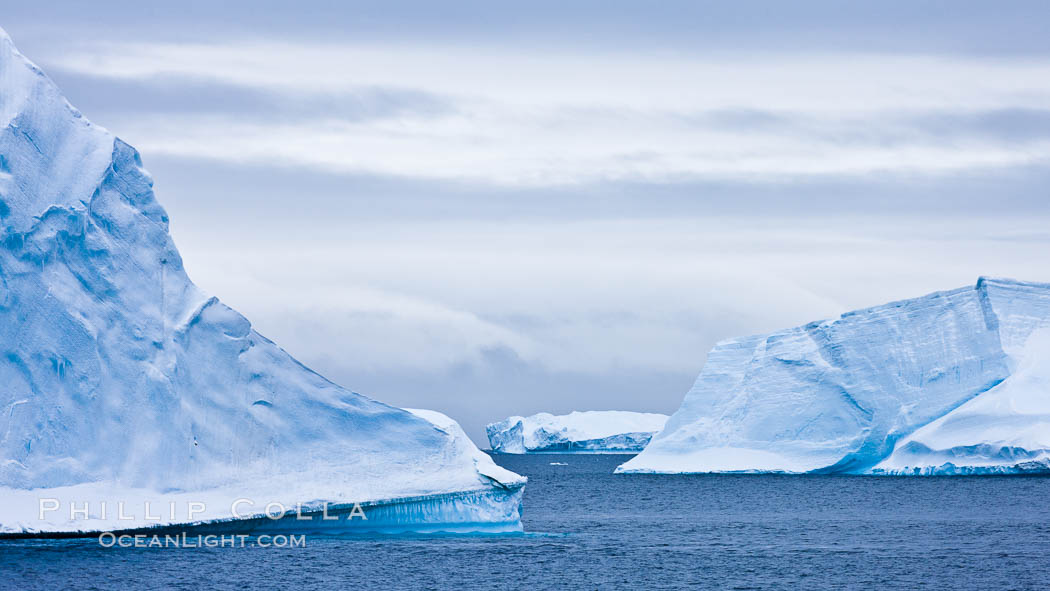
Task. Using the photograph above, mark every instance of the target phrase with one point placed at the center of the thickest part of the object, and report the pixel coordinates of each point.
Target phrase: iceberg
(130, 399)
(600, 431)
(955, 382)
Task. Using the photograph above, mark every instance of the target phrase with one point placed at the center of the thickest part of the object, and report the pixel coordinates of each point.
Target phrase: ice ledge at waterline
(120, 378)
(484, 511)
(956, 382)
(596, 431)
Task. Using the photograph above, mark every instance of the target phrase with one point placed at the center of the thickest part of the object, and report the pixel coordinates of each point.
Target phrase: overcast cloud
(493, 211)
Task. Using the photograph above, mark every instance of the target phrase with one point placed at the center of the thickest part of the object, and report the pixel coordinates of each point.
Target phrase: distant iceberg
(130, 399)
(599, 431)
(956, 382)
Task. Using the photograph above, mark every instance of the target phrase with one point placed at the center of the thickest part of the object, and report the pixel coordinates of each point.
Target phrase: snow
(462, 445)
(586, 432)
(955, 377)
(120, 380)
(1006, 429)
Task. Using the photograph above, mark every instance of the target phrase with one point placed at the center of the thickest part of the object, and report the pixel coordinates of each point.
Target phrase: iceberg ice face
(1019, 309)
(837, 396)
(1004, 430)
(606, 431)
(120, 379)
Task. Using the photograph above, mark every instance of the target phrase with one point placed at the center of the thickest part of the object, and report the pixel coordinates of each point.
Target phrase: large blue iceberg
(130, 398)
(956, 382)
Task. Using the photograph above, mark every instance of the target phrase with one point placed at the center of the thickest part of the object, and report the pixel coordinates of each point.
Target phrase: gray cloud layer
(907, 26)
(493, 210)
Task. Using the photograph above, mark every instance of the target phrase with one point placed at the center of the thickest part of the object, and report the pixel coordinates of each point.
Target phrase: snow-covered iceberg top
(123, 383)
(956, 382)
(594, 431)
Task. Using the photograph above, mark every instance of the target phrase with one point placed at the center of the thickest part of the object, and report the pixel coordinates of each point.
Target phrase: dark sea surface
(590, 529)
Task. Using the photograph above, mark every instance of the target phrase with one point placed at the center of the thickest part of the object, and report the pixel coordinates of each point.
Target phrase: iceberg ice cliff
(955, 382)
(576, 432)
(122, 382)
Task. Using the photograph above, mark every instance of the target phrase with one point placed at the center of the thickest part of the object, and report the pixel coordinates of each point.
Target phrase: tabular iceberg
(129, 398)
(956, 382)
(577, 432)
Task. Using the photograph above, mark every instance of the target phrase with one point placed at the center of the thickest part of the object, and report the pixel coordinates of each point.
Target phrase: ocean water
(590, 529)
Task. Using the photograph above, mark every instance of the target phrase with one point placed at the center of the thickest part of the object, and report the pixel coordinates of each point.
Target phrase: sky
(492, 209)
